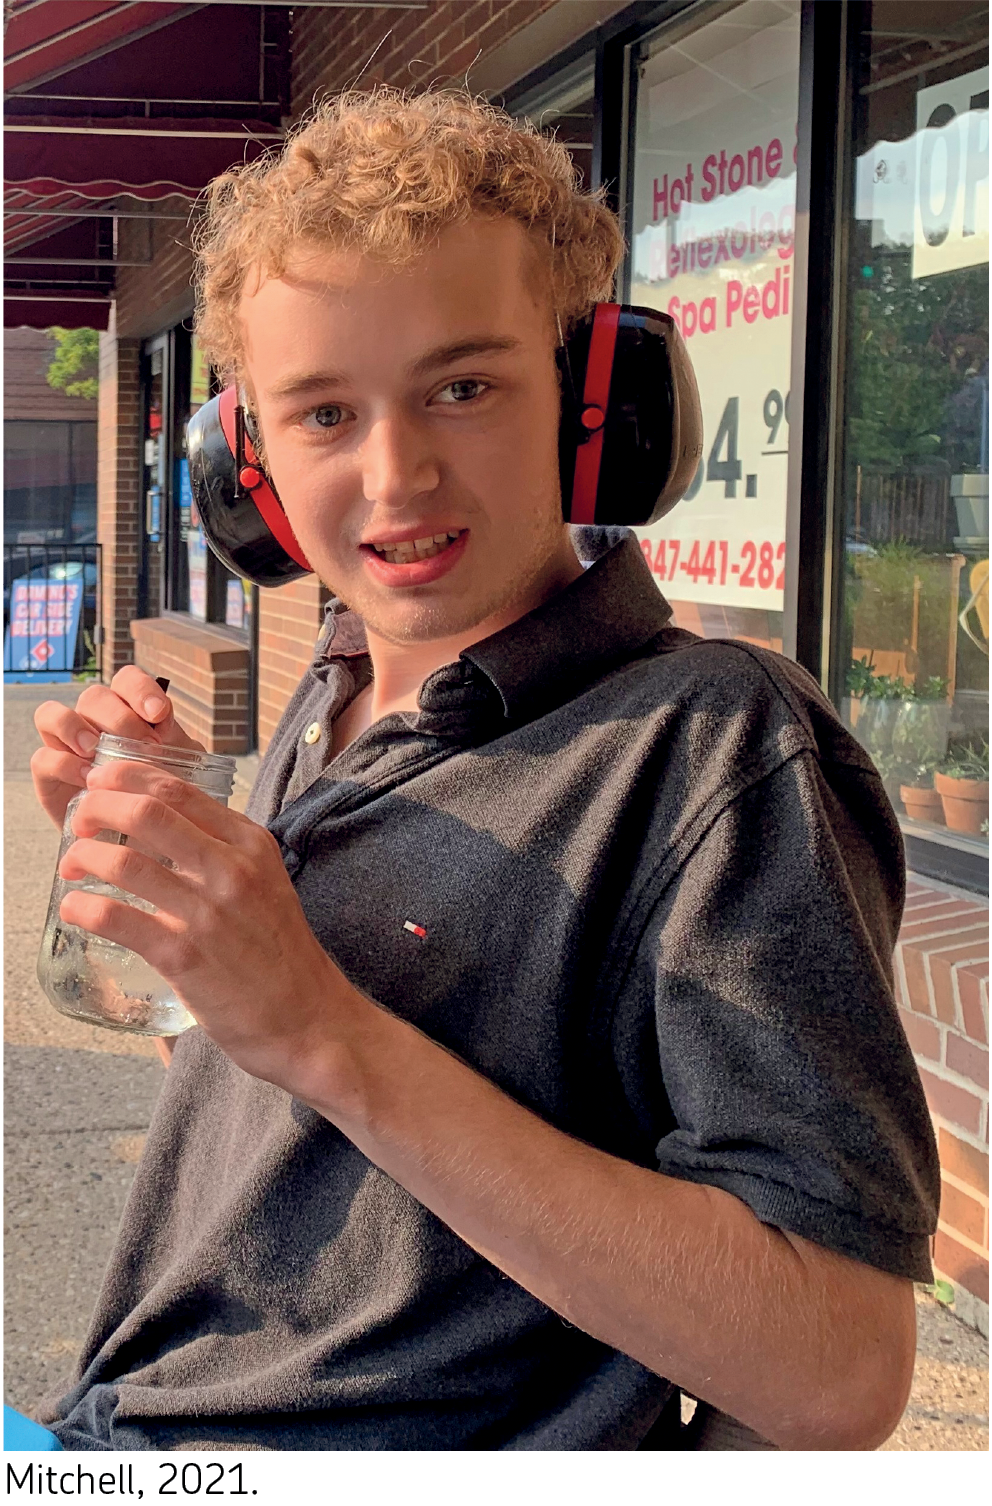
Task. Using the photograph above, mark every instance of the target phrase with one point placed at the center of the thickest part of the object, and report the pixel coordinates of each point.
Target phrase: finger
(61, 727)
(52, 769)
(195, 805)
(157, 938)
(133, 872)
(153, 825)
(104, 709)
(146, 697)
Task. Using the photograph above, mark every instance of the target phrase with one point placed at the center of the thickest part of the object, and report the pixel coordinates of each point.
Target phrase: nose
(398, 462)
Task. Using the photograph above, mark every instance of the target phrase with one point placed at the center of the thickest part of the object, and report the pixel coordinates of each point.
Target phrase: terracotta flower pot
(965, 801)
(922, 805)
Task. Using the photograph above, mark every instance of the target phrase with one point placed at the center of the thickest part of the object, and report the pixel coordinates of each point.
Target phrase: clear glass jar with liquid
(99, 981)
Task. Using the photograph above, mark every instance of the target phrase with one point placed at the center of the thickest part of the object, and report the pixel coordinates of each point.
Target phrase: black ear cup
(631, 433)
(241, 515)
(630, 440)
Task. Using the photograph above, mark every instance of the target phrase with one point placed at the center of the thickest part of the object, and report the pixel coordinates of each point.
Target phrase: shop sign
(951, 210)
(715, 206)
(931, 191)
(196, 554)
(44, 625)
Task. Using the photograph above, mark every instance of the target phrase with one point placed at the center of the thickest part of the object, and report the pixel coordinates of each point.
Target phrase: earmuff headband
(253, 479)
(592, 416)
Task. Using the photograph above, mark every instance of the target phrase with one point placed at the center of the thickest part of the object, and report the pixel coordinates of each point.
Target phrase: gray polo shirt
(646, 884)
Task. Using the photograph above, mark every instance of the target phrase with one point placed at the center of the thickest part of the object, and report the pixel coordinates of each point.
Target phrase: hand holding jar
(220, 919)
(133, 705)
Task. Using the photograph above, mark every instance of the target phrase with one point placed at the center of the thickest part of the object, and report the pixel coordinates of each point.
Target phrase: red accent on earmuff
(595, 397)
(262, 493)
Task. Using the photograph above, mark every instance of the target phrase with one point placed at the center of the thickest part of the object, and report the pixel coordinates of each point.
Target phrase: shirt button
(312, 734)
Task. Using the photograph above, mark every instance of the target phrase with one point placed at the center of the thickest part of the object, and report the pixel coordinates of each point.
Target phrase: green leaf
(943, 1291)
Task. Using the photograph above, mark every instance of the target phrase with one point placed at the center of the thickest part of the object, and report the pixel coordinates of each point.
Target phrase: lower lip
(417, 572)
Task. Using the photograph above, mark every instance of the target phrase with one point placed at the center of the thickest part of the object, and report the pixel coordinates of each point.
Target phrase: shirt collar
(601, 620)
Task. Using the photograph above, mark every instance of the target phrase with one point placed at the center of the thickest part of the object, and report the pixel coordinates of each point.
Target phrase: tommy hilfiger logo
(408, 925)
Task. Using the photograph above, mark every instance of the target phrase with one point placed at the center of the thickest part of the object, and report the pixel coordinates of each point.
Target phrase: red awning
(99, 161)
(114, 104)
(45, 40)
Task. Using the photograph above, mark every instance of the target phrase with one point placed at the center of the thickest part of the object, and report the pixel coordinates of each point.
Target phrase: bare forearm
(683, 1278)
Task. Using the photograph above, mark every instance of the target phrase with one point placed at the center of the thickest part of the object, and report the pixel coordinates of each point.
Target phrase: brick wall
(117, 505)
(155, 297)
(289, 621)
(207, 672)
(942, 968)
(439, 44)
(27, 355)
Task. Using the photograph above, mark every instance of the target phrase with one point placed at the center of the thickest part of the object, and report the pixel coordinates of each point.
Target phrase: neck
(400, 669)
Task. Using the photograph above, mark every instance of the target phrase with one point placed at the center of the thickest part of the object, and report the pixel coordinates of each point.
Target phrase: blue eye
(329, 417)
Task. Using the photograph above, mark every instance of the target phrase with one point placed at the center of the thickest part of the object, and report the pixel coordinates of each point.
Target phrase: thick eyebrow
(442, 355)
(460, 350)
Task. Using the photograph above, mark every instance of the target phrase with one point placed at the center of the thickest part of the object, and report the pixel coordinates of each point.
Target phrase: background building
(804, 188)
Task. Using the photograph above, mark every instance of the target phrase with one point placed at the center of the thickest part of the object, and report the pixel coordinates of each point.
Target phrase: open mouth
(408, 551)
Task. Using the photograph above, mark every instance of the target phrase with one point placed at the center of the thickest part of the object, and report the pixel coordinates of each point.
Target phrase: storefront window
(711, 224)
(910, 660)
(202, 586)
(564, 107)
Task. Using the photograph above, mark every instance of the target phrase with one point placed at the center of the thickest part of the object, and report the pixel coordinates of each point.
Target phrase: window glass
(49, 481)
(564, 108)
(910, 660)
(712, 218)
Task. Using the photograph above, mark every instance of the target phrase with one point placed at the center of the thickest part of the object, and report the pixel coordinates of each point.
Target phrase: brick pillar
(942, 970)
(290, 618)
(118, 479)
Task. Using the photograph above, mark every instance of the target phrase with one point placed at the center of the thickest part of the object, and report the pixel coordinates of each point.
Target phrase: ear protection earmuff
(629, 442)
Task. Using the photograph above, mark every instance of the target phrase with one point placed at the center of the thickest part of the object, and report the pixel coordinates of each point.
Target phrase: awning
(111, 108)
(47, 38)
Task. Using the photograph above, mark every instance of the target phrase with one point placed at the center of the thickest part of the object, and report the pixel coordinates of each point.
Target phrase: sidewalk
(76, 1106)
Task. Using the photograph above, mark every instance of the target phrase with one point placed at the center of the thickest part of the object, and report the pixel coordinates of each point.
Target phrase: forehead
(484, 275)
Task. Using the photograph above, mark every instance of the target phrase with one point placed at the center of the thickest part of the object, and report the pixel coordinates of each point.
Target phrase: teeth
(408, 550)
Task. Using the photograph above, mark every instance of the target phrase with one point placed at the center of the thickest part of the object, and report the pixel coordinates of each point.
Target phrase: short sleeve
(763, 981)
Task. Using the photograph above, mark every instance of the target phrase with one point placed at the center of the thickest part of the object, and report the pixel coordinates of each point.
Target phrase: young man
(548, 1056)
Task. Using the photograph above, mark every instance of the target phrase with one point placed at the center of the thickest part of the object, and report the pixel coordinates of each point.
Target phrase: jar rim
(144, 750)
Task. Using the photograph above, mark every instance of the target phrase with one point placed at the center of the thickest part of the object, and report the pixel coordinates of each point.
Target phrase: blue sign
(40, 641)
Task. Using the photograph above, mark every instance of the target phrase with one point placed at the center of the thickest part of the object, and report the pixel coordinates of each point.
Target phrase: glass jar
(99, 981)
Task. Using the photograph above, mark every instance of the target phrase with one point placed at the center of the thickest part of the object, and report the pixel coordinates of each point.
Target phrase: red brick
(952, 1102)
(970, 976)
(916, 981)
(962, 1213)
(967, 1059)
(962, 1265)
(964, 1161)
(923, 1036)
(938, 920)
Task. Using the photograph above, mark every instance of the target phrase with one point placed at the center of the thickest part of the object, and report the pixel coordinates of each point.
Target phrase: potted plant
(963, 785)
(918, 795)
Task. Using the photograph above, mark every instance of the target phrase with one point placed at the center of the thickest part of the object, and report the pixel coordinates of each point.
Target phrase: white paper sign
(951, 211)
(715, 199)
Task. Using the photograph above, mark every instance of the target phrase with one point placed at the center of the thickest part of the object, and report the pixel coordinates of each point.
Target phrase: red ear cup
(595, 403)
(254, 480)
(240, 512)
(631, 427)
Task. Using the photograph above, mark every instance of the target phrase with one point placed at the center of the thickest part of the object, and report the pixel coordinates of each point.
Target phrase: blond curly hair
(383, 173)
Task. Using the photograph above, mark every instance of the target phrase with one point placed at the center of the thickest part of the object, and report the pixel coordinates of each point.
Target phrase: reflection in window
(914, 630)
(712, 230)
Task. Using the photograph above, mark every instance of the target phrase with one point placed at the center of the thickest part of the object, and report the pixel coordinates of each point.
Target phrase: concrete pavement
(77, 1102)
